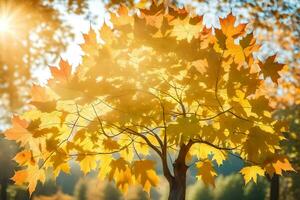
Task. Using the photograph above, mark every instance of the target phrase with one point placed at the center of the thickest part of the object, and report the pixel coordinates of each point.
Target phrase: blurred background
(34, 34)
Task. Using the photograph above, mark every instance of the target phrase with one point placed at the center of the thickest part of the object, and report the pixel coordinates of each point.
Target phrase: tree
(158, 82)
(6, 154)
(228, 187)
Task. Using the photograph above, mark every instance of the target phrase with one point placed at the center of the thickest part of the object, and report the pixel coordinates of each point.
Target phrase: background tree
(228, 187)
(33, 33)
(157, 83)
(6, 154)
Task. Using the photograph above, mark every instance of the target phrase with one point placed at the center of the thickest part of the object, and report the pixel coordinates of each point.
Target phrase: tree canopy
(155, 82)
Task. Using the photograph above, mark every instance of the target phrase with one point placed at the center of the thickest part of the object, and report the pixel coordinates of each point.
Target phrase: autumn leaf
(228, 26)
(206, 172)
(278, 165)
(18, 131)
(62, 73)
(39, 94)
(183, 30)
(20, 177)
(110, 144)
(90, 42)
(121, 173)
(250, 173)
(36, 175)
(31, 176)
(87, 163)
(24, 157)
(145, 174)
(41, 99)
(270, 68)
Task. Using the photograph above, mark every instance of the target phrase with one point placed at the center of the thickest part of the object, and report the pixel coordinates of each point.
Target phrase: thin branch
(63, 141)
(200, 141)
(101, 153)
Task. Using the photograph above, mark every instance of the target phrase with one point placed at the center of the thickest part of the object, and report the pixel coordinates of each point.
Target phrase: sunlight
(11, 20)
(4, 24)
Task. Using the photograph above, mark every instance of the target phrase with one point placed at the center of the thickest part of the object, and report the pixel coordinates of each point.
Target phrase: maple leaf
(20, 177)
(18, 132)
(106, 33)
(270, 68)
(24, 157)
(39, 93)
(36, 175)
(62, 73)
(183, 30)
(206, 172)
(221, 38)
(110, 144)
(41, 99)
(248, 44)
(250, 173)
(121, 173)
(278, 165)
(87, 163)
(123, 19)
(90, 42)
(202, 151)
(117, 167)
(31, 175)
(144, 173)
(228, 27)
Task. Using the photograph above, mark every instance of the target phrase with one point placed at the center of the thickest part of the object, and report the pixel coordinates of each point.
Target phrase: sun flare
(4, 24)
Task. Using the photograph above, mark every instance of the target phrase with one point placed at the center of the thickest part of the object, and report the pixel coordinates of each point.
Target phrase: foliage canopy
(157, 82)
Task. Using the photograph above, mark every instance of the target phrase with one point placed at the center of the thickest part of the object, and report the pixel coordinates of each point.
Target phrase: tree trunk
(274, 192)
(178, 182)
(3, 190)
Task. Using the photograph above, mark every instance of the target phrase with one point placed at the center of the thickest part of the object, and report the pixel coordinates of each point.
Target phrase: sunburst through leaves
(159, 83)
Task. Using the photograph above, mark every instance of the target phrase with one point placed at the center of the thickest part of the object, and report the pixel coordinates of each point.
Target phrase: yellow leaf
(183, 30)
(121, 173)
(203, 151)
(145, 174)
(87, 163)
(104, 165)
(251, 173)
(110, 144)
(36, 174)
(206, 172)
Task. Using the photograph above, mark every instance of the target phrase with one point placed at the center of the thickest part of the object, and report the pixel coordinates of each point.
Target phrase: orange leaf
(62, 73)
(271, 68)
(228, 28)
(23, 157)
(38, 93)
(278, 165)
(20, 177)
(18, 131)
